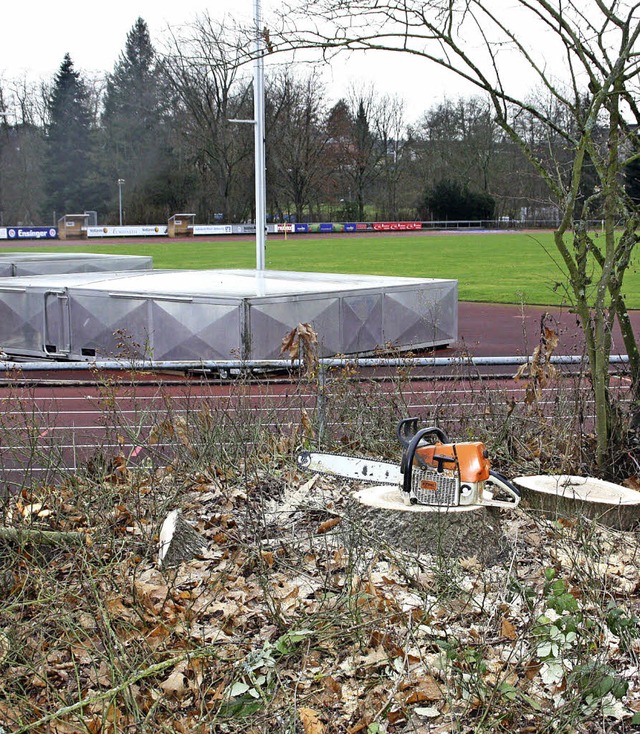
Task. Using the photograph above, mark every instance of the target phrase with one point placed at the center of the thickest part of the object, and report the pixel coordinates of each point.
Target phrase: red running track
(50, 420)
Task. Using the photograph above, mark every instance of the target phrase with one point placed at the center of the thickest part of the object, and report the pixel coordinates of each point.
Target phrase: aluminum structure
(219, 314)
(15, 264)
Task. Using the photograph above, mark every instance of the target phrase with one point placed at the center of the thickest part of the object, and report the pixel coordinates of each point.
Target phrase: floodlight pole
(120, 185)
(259, 131)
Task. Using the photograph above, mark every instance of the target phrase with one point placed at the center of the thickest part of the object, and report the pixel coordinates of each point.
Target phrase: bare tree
(459, 141)
(391, 132)
(203, 70)
(593, 46)
(296, 140)
(365, 149)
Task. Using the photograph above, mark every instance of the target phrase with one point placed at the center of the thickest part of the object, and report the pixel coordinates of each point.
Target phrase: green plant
(256, 675)
(565, 641)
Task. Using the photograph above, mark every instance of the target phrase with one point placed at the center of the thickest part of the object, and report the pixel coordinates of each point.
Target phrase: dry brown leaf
(521, 371)
(268, 558)
(531, 669)
(152, 595)
(310, 721)
(427, 689)
(567, 522)
(102, 676)
(632, 482)
(470, 564)
(331, 684)
(374, 658)
(159, 634)
(177, 684)
(65, 727)
(508, 630)
(327, 525)
(302, 343)
(360, 725)
(94, 724)
(396, 716)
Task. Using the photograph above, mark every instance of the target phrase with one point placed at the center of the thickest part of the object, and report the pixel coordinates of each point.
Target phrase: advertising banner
(396, 226)
(212, 229)
(350, 226)
(243, 228)
(301, 227)
(32, 233)
(3, 233)
(326, 226)
(150, 230)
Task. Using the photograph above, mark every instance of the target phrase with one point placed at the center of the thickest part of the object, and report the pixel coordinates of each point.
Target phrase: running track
(51, 421)
(54, 420)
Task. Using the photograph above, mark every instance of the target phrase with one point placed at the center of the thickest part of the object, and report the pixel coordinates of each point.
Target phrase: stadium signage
(211, 229)
(32, 233)
(159, 230)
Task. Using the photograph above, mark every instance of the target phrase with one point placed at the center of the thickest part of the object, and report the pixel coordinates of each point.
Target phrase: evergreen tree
(132, 124)
(68, 144)
(632, 181)
(450, 200)
(366, 154)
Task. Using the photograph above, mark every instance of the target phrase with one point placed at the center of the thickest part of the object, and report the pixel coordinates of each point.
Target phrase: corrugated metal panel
(47, 263)
(220, 314)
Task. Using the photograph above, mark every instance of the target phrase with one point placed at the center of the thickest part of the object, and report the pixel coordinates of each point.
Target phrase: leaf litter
(294, 618)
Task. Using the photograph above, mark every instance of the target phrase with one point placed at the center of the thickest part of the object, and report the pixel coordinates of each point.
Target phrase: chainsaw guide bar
(439, 473)
(350, 467)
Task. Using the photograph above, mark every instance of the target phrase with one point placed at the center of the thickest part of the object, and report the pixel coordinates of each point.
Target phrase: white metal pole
(120, 183)
(259, 130)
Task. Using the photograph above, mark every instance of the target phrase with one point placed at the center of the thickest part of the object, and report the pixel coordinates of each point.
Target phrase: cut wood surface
(567, 495)
(452, 532)
(179, 541)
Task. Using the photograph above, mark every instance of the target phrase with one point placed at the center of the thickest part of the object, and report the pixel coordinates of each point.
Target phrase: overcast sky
(37, 34)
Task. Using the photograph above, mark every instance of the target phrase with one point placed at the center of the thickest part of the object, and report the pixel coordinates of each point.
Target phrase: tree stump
(449, 532)
(571, 497)
(179, 541)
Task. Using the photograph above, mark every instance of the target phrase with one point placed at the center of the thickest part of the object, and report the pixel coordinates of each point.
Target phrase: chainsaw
(433, 471)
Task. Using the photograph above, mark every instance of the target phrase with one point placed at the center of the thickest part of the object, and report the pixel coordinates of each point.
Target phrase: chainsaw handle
(504, 484)
(408, 455)
(407, 429)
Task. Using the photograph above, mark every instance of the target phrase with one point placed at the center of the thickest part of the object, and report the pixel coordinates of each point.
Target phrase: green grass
(499, 268)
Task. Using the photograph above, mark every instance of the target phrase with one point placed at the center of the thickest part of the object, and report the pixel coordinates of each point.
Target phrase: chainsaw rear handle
(407, 428)
(500, 481)
(408, 455)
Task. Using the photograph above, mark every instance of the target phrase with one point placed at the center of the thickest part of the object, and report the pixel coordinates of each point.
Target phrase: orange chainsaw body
(470, 458)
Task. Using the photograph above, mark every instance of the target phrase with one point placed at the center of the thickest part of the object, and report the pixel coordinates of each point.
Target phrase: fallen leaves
(293, 620)
(426, 688)
(508, 629)
(310, 721)
(328, 525)
(177, 683)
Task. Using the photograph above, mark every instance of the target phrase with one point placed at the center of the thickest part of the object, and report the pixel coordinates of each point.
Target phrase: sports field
(512, 267)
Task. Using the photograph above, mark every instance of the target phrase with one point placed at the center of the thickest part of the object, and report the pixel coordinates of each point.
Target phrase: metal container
(219, 314)
(47, 263)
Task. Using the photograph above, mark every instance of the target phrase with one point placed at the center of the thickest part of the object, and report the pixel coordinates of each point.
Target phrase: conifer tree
(68, 144)
(132, 121)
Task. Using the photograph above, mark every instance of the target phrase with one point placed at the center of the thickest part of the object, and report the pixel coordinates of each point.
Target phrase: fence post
(321, 403)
